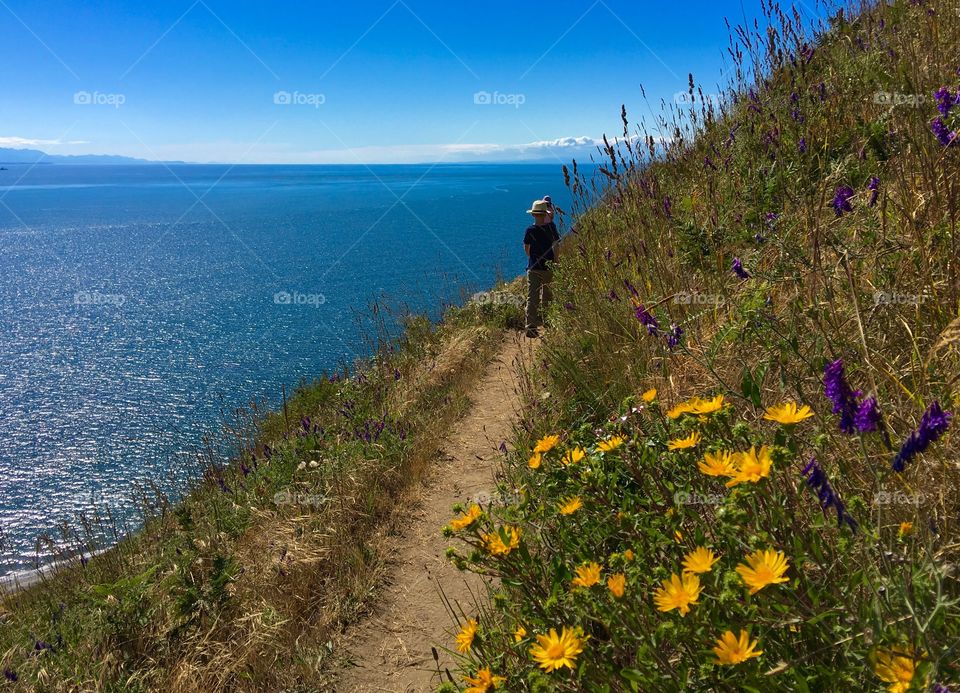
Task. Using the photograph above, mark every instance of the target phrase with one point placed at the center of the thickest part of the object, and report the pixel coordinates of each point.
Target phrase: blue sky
(375, 82)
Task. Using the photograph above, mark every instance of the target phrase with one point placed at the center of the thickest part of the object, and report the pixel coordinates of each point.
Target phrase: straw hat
(539, 207)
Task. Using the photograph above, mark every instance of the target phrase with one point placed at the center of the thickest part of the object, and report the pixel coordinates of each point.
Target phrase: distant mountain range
(35, 156)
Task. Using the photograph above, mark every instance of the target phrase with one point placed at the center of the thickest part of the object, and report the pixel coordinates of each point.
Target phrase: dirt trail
(390, 650)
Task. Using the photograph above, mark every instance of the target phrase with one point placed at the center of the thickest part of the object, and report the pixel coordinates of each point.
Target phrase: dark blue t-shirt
(541, 240)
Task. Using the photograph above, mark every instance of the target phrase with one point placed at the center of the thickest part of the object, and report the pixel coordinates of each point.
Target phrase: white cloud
(562, 149)
(31, 142)
(559, 150)
(563, 142)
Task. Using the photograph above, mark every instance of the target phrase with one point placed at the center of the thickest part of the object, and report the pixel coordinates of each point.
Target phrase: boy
(538, 243)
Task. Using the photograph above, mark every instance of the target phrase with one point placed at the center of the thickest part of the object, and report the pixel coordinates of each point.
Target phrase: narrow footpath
(391, 649)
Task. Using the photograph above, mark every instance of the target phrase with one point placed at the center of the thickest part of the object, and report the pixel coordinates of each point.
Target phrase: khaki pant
(538, 296)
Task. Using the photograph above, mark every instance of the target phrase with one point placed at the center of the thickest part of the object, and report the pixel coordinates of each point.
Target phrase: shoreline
(24, 578)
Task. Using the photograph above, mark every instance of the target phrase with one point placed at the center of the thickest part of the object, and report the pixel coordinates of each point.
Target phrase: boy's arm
(526, 249)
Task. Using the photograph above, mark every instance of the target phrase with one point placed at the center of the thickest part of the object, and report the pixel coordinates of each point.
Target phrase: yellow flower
(519, 634)
(731, 650)
(896, 668)
(678, 410)
(765, 568)
(721, 463)
(503, 542)
(546, 444)
(588, 575)
(706, 406)
(682, 443)
(678, 535)
(574, 456)
(628, 554)
(617, 584)
(610, 444)
(483, 682)
(905, 529)
(466, 634)
(535, 460)
(467, 518)
(788, 413)
(679, 592)
(752, 466)
(554, 651)
(649, 395)
(700, 560)
(570, 506)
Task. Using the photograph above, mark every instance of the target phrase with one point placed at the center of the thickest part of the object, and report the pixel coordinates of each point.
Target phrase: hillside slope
(738, 468)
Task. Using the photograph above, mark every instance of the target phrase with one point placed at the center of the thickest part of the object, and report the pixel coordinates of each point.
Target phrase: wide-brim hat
(539, 207)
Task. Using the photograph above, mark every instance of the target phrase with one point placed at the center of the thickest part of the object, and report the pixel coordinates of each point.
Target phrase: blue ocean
(140, 303)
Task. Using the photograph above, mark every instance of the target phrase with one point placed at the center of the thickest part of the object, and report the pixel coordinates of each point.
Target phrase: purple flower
(758, 238)
(946, 100)
(647, 320)
(40, 645)
(867, 418)
(631, 288)
(844, 399)
(667, 205)
(841, 200)
(874, 187)
(802, 145)
(932, 425)
(10, 675)
(674, 336)
(612, 296)
(943, 133)
(817, 481)
(569, 306)
(738, 269)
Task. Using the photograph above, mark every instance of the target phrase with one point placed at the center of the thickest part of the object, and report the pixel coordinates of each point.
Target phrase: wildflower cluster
(594, 525)
(946, 100)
